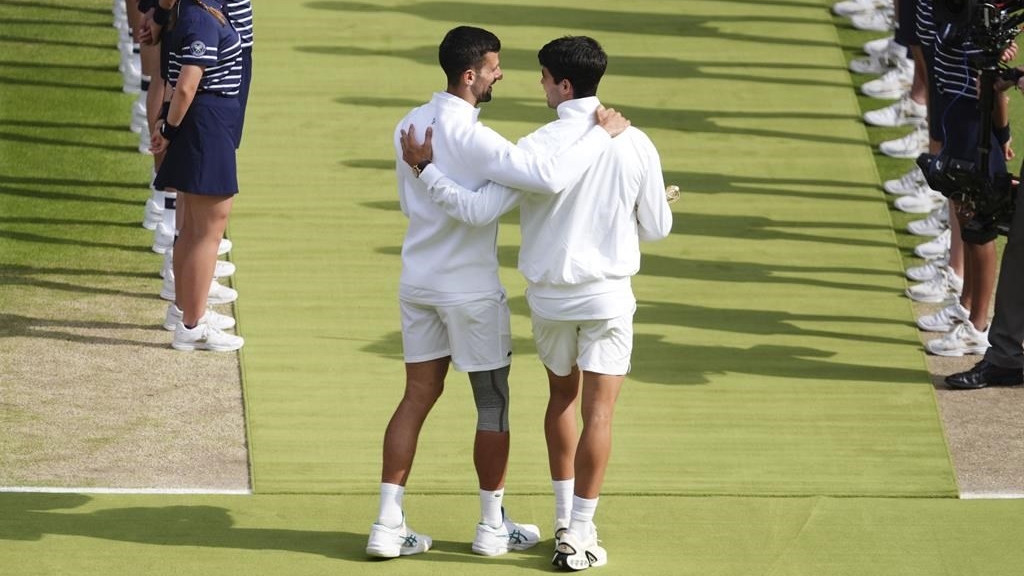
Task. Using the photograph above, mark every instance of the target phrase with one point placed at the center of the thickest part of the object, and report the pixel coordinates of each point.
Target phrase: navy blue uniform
(201, 158)
(239, 13)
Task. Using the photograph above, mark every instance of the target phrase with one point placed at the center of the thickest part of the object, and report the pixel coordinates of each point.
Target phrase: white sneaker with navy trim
(495, 541)
(388, 542)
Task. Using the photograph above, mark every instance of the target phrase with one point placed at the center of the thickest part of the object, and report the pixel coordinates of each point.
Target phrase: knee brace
(490, 393)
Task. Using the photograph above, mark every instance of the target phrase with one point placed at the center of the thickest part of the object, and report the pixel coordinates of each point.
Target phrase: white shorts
(602, 346)
(477, 334)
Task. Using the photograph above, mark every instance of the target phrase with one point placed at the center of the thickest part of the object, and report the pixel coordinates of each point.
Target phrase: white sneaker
(204, 337)
(851, 7)
(906, 184)
(215, 319)
(492, 541)
(561, 525)
(219, 293)
(224, 247)
(144, 141)
(926, 271)
(879, 45)
(910, 146)
(387, 542)
(940, 288)
(923, 201)
(936, 223)
(946, 319)
(222, 269)
(576, 552)
(163, 238)
(903, 112)
(893, 83)
(880, 20)
(963, 339)
(935, 248)
(152, 215)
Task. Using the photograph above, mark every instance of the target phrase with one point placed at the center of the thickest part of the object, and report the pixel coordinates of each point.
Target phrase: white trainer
(219, 293)
(204, 337)
(892, 84)
(880, 20)
(163, 238)
(901, 113)
(936, 223)
(576, 552)
(152, 215)
(222, 269)
(906, 184)
(851, 7)
(491, 541)
(388, 542)
(878, 45)
(910, 146)
(943, 286)
(923, 201)
(938, 247)
(946, 319)
(561, 525)
(215, 319)
(224, 247)
(963, 339)
(926, 271)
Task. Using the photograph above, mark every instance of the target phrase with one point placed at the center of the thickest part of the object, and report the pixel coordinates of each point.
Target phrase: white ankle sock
(490, 507)
(563, 498)
(390, 513)
(583, 510)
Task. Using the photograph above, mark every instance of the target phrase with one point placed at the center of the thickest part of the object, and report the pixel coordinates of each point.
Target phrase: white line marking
(167, 491)
(991, 495)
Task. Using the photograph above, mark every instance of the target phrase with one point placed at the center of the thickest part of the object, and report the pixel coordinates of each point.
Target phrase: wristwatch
(419, 168)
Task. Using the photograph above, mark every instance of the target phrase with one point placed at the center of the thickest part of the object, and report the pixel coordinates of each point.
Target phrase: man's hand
(611, 120)
(413, 153)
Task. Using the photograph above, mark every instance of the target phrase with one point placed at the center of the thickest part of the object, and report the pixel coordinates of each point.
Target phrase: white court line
(165, 491)
(991, 495)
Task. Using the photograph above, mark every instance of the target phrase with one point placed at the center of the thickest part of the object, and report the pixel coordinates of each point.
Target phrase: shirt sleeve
(504, 163)
(653, 214)
(196, 40)
(474, 207)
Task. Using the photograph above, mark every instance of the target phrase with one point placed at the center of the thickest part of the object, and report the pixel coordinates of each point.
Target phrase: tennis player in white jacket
(579, 250)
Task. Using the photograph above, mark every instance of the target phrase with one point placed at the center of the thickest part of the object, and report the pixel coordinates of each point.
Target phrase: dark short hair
(464, 48)
(580, 59)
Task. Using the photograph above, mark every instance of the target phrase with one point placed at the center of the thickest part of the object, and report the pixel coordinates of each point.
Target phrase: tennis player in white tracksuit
(580, 249)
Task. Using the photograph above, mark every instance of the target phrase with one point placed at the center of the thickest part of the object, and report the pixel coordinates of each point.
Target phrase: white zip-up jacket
(445, 260)
(585, 240)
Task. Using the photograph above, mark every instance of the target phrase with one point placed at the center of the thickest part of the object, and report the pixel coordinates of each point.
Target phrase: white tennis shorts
(477, 334)
(602, 346)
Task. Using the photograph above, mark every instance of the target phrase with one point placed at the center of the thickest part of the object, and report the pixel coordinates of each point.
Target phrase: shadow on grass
(48, 195)
(35, 517)
(15, 326)
(679, 24)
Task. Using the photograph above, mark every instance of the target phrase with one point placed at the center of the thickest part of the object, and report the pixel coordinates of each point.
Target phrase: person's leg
(424, 384)
(491, 443)
(981, 262)
(207, 218)
(560, 429)
(600, 391)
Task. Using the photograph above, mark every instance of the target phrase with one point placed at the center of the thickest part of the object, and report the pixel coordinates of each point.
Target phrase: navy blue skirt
(201, 158)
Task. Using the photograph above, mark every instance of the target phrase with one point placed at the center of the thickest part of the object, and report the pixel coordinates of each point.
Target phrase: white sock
(390, 513)
(563, 498)
(583, 511)
(490, 507)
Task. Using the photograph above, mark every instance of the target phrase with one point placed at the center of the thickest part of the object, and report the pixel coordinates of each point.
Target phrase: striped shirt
(925, 22)
(200, 40)
(954, 74)
(239, 13)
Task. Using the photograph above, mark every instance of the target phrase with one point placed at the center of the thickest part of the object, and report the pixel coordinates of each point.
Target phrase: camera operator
(957, 84)
(1003, 364)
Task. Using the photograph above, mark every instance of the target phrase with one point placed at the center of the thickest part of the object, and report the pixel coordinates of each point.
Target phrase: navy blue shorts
(906, 26)
(201, 158)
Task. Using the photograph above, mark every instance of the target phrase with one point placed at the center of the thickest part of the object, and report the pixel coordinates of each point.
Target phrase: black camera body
(985, 30)
(988, 200)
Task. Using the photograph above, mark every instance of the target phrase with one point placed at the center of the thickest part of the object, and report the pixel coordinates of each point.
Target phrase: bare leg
(424, 384)
(195, 261)
(600, 391)
(490, 456)
(560, 429)
(981, 262)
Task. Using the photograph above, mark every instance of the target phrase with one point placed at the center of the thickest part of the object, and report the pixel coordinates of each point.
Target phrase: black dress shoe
(985, 374)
